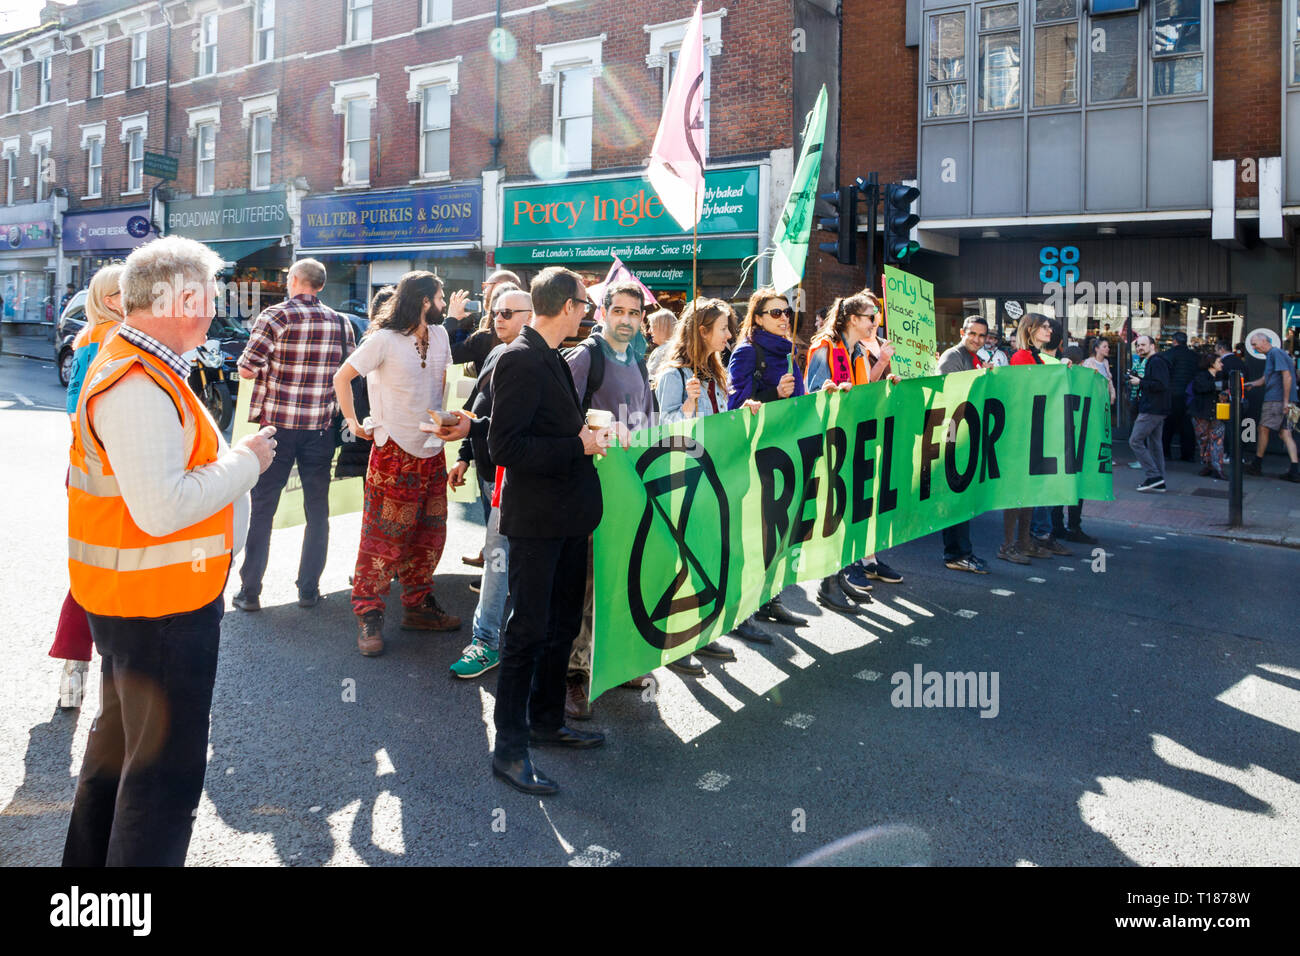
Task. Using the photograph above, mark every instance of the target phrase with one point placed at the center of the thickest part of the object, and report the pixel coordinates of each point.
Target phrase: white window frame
(558, 122)
(262, 105)
(560, 57)
(425, 76)
(97, 54)
(260, 30)
(16, 88)
(92, 135)
(42, 143)
(202, 188)
(133, 127)
(426, 171)
(427, 13)
(351, 12)
(345, 91)
(254, 152)
(352, 178)
(207, 43)
(140, 59)
(1015, 82)
(46, 89)
(9, 153)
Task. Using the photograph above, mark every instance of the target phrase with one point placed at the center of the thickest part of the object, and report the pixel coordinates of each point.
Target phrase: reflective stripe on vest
(837, 360)
(117, 569)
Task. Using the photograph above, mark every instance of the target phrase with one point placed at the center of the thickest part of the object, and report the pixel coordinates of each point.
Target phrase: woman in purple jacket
(762, 368)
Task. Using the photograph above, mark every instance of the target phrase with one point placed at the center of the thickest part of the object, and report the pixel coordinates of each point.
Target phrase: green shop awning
(236, 249)
(644, 250)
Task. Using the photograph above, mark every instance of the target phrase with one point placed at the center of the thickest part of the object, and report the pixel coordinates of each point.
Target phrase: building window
(435, 11)
(435, 131)
(139, 50)
(945, 78)
(671, 71)
(208, 44)
(359, 20)
(356, 142)
(135, 161)
(42, 155)
(11, 177)
(94, 167)
(15, 89)
(261, 162)
(999, 58)
(264, 30)
(1114, 48)
(97, 70)
(573, 113)
(47, 73)
(205, 159)
(1056, 53)
(1177, 56)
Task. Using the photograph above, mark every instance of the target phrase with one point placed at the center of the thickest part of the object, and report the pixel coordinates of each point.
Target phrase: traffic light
(899, 220)
(844, 224)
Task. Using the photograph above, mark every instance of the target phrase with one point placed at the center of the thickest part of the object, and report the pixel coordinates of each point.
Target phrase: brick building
(385, 135)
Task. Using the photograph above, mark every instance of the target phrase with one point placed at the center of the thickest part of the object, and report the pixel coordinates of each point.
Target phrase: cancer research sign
(110, 230)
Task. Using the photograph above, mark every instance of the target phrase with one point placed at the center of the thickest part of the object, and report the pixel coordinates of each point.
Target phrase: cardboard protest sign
(909, 323)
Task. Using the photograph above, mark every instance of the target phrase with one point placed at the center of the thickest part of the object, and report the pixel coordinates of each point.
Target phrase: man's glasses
(777, 313)
(508, 314)
(586, 303)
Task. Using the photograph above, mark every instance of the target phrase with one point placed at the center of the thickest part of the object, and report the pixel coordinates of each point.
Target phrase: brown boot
(370, 641)
(576, 705)
(429, 616)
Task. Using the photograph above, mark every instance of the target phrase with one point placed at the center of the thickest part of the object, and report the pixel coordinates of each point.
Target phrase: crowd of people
(160, 505)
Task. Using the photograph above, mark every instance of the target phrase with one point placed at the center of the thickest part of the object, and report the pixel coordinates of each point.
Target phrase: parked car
(70, 323)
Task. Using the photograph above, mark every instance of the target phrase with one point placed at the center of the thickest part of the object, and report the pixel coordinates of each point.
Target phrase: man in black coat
(550, 503)
(1153, 408)
(1183, 364)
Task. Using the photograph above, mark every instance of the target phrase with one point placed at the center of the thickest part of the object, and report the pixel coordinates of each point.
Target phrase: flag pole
(695, 245)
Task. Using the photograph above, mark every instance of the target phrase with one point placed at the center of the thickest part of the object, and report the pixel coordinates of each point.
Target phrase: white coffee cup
(599, 418)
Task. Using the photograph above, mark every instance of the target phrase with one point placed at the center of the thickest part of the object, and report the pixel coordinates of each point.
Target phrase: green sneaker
(476, 660)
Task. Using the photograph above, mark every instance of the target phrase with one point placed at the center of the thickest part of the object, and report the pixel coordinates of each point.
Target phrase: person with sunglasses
(510, 308)
(762, 368)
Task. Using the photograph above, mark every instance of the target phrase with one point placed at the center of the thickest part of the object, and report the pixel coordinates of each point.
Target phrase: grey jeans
(1145, 442)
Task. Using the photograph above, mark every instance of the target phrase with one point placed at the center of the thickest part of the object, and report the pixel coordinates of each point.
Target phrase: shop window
(135, 161)
(264, 30)
(359, 17)
(97, 70)
(356, 142)
(139, 53)
(205, 159)
(574, 89)
(1056, 53)
(15, 88)
(1177, 56)
(47, 73)
(208, 44)
(999, 58)
(945, 79)
(260, 164)
(671, 71)
(94, 168)
(435, 11)
(1114, 58)
(435, 131)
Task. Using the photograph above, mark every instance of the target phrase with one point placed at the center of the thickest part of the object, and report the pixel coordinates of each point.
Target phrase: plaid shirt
(155, 348)
(296, 347)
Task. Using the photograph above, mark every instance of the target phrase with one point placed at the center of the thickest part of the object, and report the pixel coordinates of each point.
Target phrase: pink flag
(677, 159)
(618, 272)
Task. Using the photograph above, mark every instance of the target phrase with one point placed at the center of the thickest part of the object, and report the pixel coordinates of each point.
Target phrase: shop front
(28, 276)
(371, 239)
(584, 224)
(251, 232)
(92, 240)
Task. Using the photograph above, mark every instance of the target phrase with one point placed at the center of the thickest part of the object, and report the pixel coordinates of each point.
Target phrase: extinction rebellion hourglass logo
(686, 507)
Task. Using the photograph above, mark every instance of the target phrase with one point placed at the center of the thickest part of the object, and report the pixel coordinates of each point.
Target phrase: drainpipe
(496, 102)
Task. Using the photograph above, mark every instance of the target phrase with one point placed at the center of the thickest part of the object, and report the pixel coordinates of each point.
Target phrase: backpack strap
(595, 369)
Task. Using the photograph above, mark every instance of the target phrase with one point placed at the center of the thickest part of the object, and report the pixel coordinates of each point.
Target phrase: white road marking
(1065, 567)
(1148, 645)
(966, 614)
(24, 399)
(1126, 547)
(868, 675)
(799, 721)
(1158, 537)
(919, 641)
(383, 763)
(713, 781)
(595, 856)
(315, 809)
(1003, 592)
(1038, 580)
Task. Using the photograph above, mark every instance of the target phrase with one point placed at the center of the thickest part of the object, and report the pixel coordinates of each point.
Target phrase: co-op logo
(1059, 264)
(686, 509)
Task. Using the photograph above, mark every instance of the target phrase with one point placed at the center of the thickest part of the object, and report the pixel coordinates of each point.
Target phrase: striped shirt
(296, 347)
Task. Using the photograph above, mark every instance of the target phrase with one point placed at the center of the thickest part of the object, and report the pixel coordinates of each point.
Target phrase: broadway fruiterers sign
(242, 216)
(705, 520)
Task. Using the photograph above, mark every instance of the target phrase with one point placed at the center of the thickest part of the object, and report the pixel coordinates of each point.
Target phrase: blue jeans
(491, 610)
(1040, 523)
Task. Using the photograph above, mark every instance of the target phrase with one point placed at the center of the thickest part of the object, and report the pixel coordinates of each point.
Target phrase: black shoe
(880, 571)
(1078, 537)
(717, 651)
(246, 603)
(566, 737)
(1254, 467)
(523, 776)
(1156, 485)
(687, 665)
(829, 595)
(750, 630)
(309, 600)
(858, 594)
(1293, 474)
(777, 613)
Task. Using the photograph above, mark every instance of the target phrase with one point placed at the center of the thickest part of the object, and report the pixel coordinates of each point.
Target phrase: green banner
(909, 324)
(795, 224)
(705, 520)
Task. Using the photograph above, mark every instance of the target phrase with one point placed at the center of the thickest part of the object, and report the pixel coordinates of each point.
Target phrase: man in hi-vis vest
(157, 509)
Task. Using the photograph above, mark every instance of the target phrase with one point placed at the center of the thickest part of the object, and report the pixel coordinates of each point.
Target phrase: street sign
(160, 165)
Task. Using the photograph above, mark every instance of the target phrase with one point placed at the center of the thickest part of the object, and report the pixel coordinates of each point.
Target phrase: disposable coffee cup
(598, 418)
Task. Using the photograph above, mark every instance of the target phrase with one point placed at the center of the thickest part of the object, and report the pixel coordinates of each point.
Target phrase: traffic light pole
(871, 193)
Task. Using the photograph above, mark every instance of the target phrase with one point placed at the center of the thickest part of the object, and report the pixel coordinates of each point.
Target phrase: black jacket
(1183, 366)
(475, 349)
(551, 489)
(1153, 392)
(475, 448)
(1205, 395)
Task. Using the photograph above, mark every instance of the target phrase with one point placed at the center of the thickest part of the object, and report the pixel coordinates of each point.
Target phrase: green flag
(705, 520)
(795, 224)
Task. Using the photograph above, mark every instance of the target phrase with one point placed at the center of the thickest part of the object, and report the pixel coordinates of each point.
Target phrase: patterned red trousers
(403, 527)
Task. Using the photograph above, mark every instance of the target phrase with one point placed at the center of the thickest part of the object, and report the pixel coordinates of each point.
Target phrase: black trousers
(956, 542)
(548, 578)
(148, 748)
(1180, 423)
(314, 453)
(1066, 518)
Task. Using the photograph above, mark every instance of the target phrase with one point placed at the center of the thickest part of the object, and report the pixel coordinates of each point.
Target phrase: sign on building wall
(396, 217)
(107, 230)
(242, 216)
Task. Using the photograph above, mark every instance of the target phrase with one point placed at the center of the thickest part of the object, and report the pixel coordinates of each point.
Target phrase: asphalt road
(1147, 713)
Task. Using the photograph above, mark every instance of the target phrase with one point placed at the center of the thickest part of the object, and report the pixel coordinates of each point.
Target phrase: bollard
(1234, 449)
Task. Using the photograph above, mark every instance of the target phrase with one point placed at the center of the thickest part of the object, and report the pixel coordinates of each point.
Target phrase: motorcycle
(214, 378)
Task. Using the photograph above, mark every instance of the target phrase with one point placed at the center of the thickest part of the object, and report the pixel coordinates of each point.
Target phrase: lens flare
(502, 44)
(546, 158)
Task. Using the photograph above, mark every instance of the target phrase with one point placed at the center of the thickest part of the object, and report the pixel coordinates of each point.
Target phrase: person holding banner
(404, 356)
(762, 368)
(963, 357)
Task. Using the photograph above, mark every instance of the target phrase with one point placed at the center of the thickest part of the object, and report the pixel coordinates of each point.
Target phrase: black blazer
(551, 489)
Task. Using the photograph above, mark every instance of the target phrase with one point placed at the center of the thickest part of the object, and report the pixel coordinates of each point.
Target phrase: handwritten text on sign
(909, 325)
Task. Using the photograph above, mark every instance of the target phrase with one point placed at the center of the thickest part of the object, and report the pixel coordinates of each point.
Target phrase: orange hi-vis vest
(837, 359)
(117, 570)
